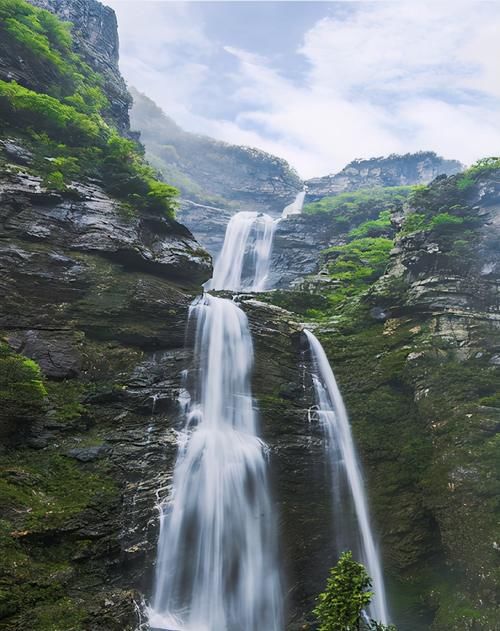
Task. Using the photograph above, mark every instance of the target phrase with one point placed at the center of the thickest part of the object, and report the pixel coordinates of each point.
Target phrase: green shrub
(341, 605)
(363, 259)
(46, 42)
(22, 393)
(91, 148)
(348, 211)
(55, 31)
(444, 220)
(23, 107)
(69, 135)
(414, 222)
(373, 227)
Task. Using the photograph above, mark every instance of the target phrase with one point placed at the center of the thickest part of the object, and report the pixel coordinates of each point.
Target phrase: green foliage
(441, 208)
(481, 167)
(27, 108)
(378, 626)
(347, 593)
(22, 393)
(65, 613)
(444, 220)
(91, 148)
(65, 399)
(357, 264)
(45, 42)
(373, 227)
(67, 130)
(348, 210)
(130, 178)
(47, 489)
(55, 32)
(440, 223)
(414, 222)
(40, 492)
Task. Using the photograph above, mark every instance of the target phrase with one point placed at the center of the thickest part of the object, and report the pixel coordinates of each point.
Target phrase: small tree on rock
(340, 606)
(347, 593)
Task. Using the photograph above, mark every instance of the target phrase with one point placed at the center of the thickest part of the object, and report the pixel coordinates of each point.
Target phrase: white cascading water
(243, 264)
(217, 566)
(344, 462)
(295, 208)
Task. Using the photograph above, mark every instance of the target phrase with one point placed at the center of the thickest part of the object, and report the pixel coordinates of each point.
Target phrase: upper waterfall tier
(295, 208)
(243, 263)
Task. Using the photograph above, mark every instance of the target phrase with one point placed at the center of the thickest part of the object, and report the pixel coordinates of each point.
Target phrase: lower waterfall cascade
(345, 467)
(217, 566)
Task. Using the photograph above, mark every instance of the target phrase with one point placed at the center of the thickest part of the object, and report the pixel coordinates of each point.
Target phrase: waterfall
(295, 208)
(344, 464)
(243, 264)
(217, 566)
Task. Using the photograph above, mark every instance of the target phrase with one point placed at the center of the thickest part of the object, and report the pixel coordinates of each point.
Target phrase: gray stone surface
(394, 170)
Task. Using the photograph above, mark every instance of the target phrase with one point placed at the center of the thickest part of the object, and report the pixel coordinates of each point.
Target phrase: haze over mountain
(322, 83)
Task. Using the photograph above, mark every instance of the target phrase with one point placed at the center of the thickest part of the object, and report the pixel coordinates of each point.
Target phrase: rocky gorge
(401, 286)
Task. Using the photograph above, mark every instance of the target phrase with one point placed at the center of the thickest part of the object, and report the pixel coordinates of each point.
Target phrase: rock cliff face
(298, 242)
(212, 172)
(95, 37)
(416, 357)
(99, 301)
(93, 302)
(395, 170)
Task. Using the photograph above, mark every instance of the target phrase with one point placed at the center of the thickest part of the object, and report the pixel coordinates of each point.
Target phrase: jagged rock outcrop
(395, 170)
(88, 220)
(211, 172)
(297, 244)
(209, 222)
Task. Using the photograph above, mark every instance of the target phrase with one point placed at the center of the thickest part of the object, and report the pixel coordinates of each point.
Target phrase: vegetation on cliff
(362, 205)
(63, 121)
(22, 392)
(213, 172)
(77, 322)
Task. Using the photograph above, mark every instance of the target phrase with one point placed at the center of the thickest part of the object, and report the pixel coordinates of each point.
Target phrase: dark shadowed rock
(56, 352)
(88, 220)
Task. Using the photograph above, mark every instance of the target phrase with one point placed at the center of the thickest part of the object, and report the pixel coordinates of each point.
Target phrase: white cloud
(380, 77)
(162, 48)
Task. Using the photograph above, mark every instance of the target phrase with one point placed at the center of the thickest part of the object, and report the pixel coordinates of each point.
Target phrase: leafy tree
(340, 607)
(378, 626)
(347, 593)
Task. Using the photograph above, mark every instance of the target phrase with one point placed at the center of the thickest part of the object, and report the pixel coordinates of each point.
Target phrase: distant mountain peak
(394, 170)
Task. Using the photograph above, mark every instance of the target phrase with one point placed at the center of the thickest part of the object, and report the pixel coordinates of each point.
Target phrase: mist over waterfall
(346, 477)
(243, 263)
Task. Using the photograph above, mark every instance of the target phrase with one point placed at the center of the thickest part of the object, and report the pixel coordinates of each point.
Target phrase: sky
(322, 83)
